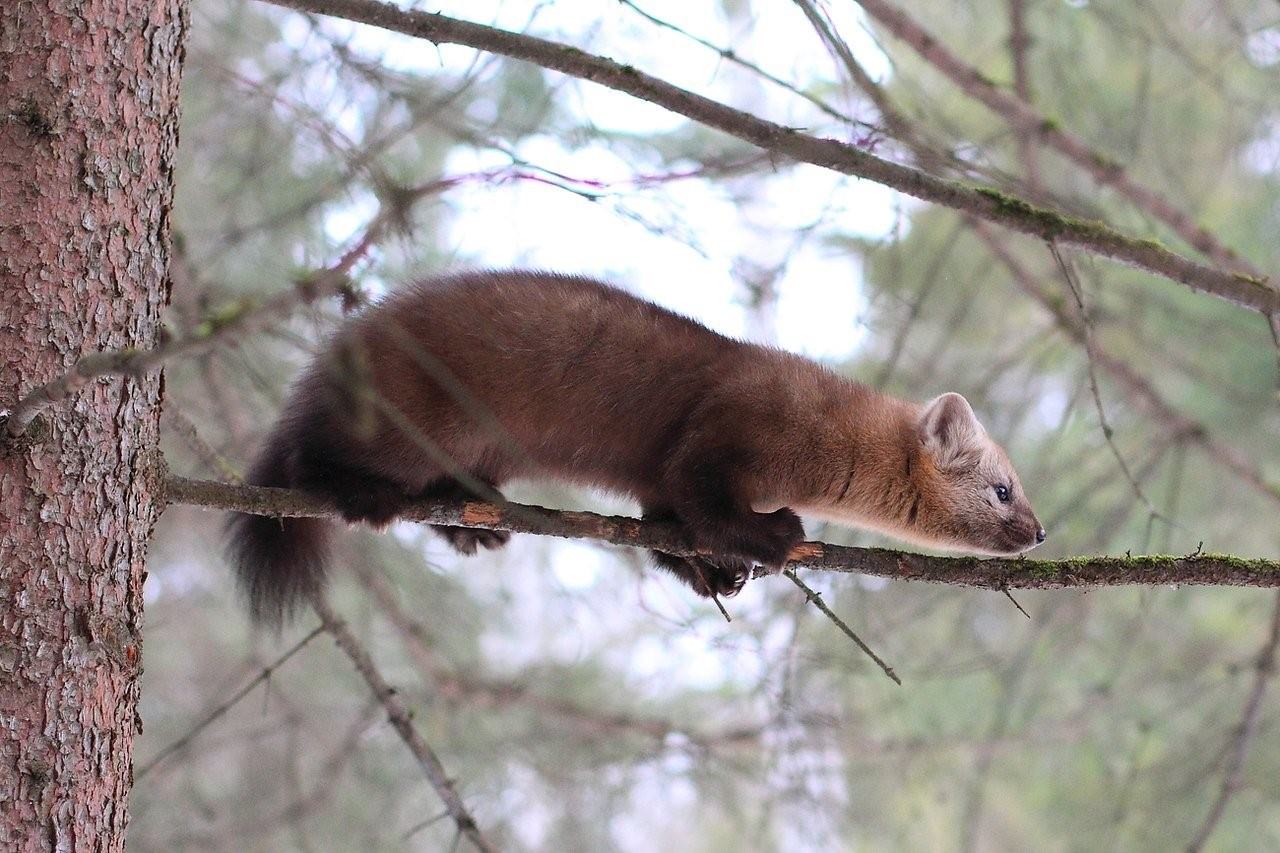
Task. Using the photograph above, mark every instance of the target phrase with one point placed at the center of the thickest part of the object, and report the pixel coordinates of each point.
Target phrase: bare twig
(402, 721)
(231, 702)
(1099, 238)
(1009, 596)
(1273, 323)
(815, 598)
(1091, 358)
(1245, 733)
(994, 574)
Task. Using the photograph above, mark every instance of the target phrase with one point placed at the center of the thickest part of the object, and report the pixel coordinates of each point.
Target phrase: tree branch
(1017, 214)
(401, 719)
(815, 598)
(996, 574)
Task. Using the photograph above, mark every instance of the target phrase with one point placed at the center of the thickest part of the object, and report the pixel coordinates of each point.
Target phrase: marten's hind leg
(360, 496)
(464, 540)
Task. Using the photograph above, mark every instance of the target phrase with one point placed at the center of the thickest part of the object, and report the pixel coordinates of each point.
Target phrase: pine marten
(455, 385)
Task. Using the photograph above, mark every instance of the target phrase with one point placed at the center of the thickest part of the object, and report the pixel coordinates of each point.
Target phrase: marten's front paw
(466, 540)
(707, 577)
(773, 537)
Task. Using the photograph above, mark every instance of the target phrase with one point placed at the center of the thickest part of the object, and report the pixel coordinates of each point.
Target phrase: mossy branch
(1095, 237)
(997, 574)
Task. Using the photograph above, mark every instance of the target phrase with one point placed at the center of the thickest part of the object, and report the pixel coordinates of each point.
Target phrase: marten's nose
(1040, 535)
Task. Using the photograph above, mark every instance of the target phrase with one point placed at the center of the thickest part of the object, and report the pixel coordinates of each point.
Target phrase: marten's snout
(1037, 531)
(1032, 534)
(1024, 532)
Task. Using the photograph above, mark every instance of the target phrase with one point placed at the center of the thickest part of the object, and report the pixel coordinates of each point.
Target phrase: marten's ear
(949, 429)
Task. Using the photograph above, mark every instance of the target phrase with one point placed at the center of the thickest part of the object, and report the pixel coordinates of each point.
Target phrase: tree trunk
(88, 131)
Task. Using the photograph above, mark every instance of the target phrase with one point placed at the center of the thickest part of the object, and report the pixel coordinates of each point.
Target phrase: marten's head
(965, 492)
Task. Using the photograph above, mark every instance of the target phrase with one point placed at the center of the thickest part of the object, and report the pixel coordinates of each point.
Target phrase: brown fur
(455, 385)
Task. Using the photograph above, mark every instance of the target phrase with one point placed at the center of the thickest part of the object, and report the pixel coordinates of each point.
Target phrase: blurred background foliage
(585, 702)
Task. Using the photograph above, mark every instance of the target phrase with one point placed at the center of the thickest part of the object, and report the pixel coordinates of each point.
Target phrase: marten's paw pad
(467, 540)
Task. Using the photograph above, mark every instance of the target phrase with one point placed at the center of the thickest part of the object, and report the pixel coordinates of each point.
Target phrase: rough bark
(88, 129)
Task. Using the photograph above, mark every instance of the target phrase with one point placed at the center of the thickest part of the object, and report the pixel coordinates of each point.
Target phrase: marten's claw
(723, 578)
(742, 571)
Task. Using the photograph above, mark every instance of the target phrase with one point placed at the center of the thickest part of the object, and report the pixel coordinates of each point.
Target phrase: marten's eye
(1002, 492)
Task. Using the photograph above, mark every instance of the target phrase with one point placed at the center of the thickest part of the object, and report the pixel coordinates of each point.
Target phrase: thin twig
(1009, 596)
(227, 705)
(401, 720)
(1273, 323)
(815, 598)
(720, 606)
(421, 825)
(1107, 432)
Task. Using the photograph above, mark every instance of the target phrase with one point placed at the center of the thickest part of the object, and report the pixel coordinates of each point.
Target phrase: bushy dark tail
(280, 563)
